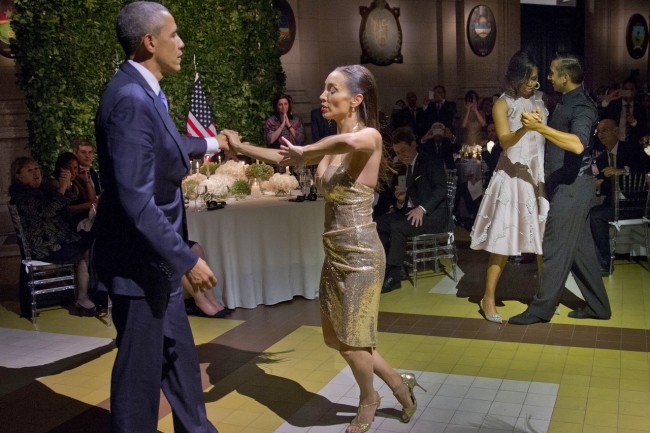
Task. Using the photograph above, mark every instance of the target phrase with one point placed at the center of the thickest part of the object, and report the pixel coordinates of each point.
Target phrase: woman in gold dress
(348, 170)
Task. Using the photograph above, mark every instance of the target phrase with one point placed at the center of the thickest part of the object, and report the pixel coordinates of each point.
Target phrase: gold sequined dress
(354, 265)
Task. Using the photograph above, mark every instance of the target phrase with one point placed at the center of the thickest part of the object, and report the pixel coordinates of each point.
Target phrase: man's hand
(611, 171)
(414, 216)
(400, 196)
(233, 139)
(201, 277)
(223, 141)
(530, 121)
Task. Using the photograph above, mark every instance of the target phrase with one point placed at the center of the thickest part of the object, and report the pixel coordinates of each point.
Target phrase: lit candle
(219, 159)
(256, 191)
(257, 161)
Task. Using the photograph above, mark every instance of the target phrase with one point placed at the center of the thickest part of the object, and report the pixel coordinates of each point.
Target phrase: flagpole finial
(195, 63)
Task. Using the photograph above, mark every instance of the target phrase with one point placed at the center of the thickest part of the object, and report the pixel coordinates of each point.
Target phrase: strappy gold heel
(409, 380)
(364, 427)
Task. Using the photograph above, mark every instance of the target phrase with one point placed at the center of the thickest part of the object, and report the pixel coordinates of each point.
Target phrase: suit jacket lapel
(160, 108)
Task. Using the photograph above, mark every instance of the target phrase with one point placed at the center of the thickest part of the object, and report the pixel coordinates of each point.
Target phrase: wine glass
(538, 104)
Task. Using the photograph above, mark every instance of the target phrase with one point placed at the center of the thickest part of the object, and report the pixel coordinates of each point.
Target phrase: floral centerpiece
(240, 188)
(258, 171)
(217, 186)
(208, 168)
(282, 183)
(234, 169)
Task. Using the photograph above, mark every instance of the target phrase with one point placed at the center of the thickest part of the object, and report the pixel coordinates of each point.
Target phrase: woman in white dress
(512, 215)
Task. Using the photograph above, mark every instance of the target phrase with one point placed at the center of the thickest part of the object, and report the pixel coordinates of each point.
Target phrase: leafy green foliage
(66, 52)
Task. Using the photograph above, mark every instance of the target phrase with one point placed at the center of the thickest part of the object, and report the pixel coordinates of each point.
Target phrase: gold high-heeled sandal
(409, 380)
(364, 427)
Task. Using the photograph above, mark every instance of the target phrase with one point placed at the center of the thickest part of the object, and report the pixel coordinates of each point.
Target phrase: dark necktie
(612, 159)
(438, 106)
(409, 175)
(163, 99)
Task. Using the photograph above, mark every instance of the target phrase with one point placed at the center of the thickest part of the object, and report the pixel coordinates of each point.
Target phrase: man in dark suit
(411, 115)
(440, 110)
(420, 205)
(628, 113)
(140, 252)
(568, 245)
(616, 159)
(321, 127)
(441, 142)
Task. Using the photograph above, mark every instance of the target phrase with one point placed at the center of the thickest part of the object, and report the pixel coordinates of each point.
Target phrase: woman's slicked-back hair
(519, 70)
(360, 80)
(136, 20)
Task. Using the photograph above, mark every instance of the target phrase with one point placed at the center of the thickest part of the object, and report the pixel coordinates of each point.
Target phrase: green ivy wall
(66, 51)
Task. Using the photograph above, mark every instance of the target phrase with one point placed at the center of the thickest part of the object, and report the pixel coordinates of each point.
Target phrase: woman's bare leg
(83, 278)
(496, 263)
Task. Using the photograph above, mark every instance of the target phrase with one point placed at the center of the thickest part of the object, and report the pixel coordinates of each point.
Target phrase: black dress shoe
(525, 318)
(403, 275)
(390, 284)
(585, 314)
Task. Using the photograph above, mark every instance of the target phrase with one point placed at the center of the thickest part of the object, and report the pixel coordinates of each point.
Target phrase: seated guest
(491, 152)
(441, 142)
(202, 304)
(84, 150)
(48, 227)
(616, 159)
(420, 203)
(80, 191)
(283, 123)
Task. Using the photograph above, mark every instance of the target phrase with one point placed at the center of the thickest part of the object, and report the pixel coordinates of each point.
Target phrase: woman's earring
(537, 86)
(353, 109)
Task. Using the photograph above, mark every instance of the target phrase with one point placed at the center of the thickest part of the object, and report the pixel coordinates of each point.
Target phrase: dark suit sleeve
(135, 125)
(436, 178)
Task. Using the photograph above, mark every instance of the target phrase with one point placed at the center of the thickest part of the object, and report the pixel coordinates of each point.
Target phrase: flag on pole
(200, 122)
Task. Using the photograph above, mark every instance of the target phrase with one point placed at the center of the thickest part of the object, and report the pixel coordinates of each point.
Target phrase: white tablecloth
(263, 251)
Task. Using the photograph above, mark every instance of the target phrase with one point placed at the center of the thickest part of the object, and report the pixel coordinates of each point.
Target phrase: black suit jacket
(613, 110)
(429, 190)
(94, 176)
(405, 117)
(624, 158)
(444, 115)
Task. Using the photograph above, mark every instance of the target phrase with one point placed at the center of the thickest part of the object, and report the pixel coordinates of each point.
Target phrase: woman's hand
(530, 121)
(234, 143)
(291, 155)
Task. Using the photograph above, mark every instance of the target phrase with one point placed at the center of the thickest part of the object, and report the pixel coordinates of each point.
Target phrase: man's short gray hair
(136, 20)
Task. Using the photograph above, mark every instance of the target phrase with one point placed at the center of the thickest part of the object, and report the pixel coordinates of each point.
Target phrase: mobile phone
(431, 95)
(401, 183)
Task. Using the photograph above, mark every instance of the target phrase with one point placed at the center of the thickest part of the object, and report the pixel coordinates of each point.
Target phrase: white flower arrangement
(283, 183)
(217, 185)
(191, 182)
(234, 169)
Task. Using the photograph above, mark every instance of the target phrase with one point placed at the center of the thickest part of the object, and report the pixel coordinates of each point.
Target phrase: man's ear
(149, 43)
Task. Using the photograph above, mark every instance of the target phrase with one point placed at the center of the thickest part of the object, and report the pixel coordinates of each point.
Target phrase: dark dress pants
(155, 350)
(599, 218)
(569, 247)
(394, 230)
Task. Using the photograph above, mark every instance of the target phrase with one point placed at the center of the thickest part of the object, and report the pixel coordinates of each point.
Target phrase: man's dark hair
(136, 20)
(571, 65)
(403, 134)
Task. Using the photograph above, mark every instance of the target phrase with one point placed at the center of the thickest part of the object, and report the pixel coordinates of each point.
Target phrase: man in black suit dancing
(568, 245)
(420, 203)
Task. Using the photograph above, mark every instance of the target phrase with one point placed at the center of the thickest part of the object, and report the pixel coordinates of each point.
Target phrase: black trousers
(569, 247)
(394, 230)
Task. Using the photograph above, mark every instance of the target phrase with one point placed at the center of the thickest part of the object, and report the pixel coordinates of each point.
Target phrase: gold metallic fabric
(353, 270)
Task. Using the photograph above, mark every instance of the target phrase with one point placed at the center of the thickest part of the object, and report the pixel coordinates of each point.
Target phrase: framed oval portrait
(6, 10)
(481, 30)
(380, 34)
(287, 22)
(636, 36)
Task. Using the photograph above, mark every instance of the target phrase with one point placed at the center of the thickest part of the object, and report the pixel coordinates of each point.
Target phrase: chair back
(630, 195)
(452, 185)
(20, 234)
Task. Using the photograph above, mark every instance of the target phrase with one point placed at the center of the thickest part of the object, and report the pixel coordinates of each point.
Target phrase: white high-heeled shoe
(496, 318)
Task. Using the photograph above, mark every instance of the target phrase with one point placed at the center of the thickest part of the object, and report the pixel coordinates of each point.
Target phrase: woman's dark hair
(519, 71)
(62, 162)
(17, 166)
(289, 100)
(471, 95)
(360, 80)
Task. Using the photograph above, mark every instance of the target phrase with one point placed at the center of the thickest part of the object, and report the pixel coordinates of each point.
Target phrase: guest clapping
(283, 124)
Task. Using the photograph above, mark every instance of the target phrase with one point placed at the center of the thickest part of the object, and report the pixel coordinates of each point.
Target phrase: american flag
(200, 122)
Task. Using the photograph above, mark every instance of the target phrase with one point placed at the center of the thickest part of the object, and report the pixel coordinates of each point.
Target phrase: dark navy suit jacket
(140, 248)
